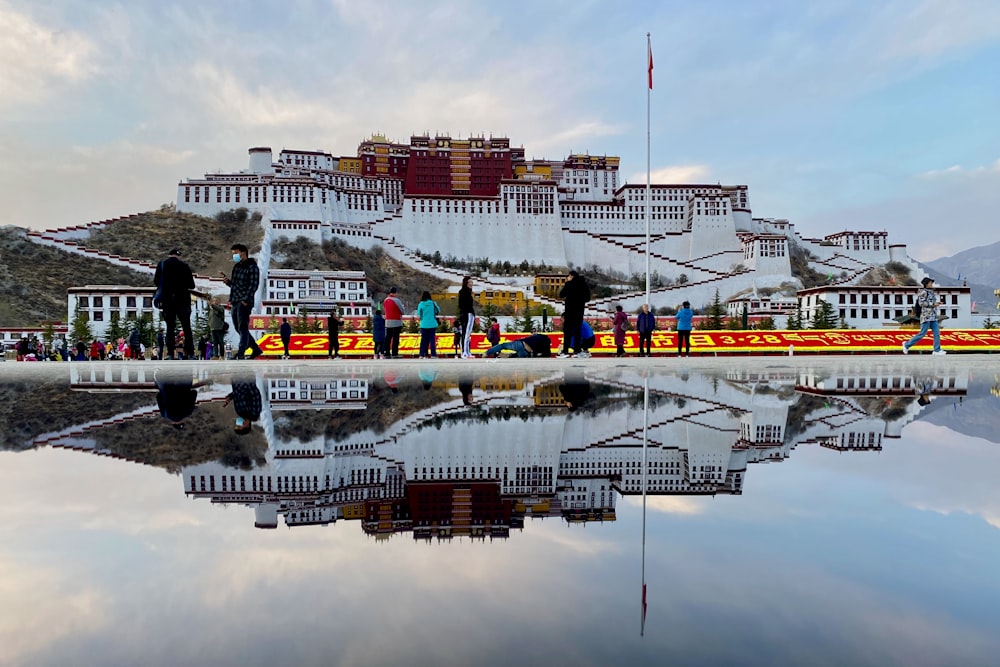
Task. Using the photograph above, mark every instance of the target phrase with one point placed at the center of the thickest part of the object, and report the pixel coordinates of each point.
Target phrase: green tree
(825, 316)
(716, 315)
(301, 323)
(48, 333)
(80, 327)
(734, 324)
(412, 325)
(525, 323)
(117, 329)
(795, 318)
(766, 324)
(147, 334)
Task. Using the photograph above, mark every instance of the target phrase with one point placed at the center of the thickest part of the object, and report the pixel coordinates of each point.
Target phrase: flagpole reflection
(645, 440)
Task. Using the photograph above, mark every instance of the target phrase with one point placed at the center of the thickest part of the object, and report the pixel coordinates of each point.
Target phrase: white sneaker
(584, 355)
(906, 350)
(563, 355)
(939, 352)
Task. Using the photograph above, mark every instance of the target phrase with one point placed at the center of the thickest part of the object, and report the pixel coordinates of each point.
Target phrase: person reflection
(176, 398)
(427, 376)
(465, 388)
(923, 387)
(247, 402)
(575, 390)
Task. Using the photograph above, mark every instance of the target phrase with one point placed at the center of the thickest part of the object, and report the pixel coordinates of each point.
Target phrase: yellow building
(351, 165)
(511, 299)
(549, 284)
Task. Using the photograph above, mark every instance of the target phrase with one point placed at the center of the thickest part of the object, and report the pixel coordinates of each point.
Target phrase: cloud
(37, 63)
(668, 504)
(681, 173)
(43, 605)
(958, 170)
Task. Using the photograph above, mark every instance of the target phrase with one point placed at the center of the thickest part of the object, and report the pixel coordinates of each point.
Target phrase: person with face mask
(243, 283)
(247, 401)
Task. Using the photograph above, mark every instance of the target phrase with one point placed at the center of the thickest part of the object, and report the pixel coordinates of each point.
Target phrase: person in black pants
(333, 335)
(576, 294)
(175, 281)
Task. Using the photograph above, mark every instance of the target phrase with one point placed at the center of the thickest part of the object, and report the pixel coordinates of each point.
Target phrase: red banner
(665, 342)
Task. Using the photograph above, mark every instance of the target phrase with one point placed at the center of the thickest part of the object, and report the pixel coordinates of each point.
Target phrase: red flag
(649, 46)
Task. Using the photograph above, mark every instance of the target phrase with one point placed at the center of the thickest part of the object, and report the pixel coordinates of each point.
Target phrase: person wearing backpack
(926, 308)
(493, 332)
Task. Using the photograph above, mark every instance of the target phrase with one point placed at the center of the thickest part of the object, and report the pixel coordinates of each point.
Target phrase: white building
(575, 212)
(872, 307)
(287, 291)
(103, 304)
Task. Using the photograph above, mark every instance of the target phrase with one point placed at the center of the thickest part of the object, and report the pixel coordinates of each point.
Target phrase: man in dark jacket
(285, 330)
(576, 294)
(174, 278)
(243, 285)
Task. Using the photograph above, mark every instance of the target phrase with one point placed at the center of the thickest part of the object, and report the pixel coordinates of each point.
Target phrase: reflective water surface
(371, 513)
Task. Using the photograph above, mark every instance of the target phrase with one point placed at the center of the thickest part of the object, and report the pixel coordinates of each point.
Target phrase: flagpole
(649, 189)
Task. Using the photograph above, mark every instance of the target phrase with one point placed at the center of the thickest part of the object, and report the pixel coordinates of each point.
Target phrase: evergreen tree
(116, 329)
(80, 327)
(526, 323)
(795, 318)
(147, 334)
(48, 333)
(301, 323)
(716, 315)
(825, 316)
(766, 324)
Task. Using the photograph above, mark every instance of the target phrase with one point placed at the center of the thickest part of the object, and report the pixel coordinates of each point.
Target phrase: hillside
(34, 278)
(204, 242)
(382, 270)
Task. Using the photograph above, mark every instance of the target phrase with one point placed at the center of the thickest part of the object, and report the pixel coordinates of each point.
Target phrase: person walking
(217, 325)
(160, 342)
(393, 308)
(645, 324)
(684, 316)
(378, 334)
(620, 325)
(928, 301)
(175, 281)
(575, 294)
(135, 344)
(428, 312)
(333, 323)
(285, 331)
(466, 315)
(243, 283)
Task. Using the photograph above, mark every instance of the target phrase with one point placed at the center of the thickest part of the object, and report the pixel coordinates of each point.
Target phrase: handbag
(158, 296)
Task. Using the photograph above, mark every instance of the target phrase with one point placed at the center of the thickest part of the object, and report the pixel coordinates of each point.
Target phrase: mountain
(978, 267)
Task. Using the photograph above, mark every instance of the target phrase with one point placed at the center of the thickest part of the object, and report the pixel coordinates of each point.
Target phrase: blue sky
(838, 115)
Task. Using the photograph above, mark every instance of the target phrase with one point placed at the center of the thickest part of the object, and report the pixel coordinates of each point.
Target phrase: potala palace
(480, 198)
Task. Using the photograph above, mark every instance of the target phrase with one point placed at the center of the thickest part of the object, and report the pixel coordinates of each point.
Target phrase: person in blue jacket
(684, 317)
(378, 334)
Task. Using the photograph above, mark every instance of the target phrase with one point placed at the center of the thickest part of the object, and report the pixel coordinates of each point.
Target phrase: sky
(838, 115)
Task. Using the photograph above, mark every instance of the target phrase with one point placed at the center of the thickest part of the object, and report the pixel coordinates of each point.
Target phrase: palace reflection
(445, 454)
